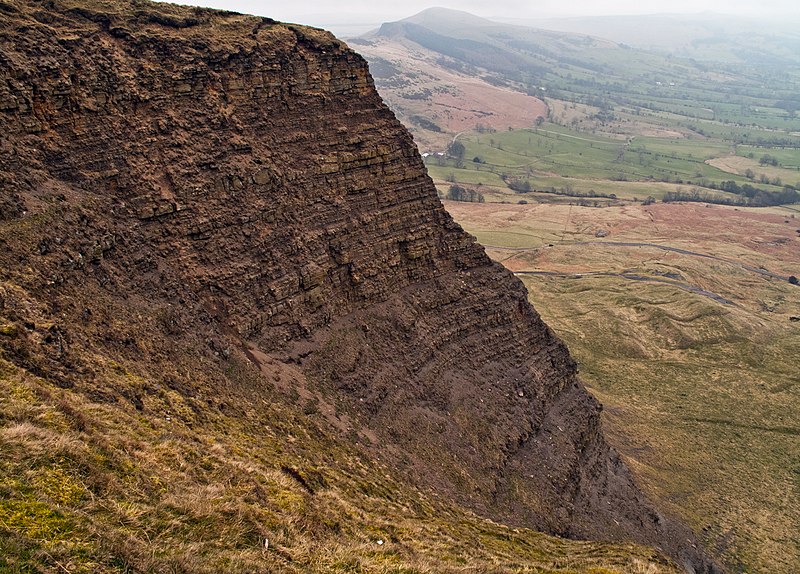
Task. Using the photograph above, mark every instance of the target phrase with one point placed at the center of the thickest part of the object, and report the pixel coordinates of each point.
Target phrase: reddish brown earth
(455, 101)
(762, 230)
(479, 103)
(178, 181)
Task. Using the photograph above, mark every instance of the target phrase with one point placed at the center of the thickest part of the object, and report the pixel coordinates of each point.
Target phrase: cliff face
(241, 181)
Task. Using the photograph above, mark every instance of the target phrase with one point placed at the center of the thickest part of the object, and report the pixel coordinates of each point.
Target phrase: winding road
(758, 270)
(650, 279)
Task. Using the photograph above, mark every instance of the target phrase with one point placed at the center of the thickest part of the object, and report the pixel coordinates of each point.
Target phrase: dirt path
(758, 270)
(539, 130)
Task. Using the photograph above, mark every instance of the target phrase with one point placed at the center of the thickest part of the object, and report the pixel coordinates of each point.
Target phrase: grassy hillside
(221, 472)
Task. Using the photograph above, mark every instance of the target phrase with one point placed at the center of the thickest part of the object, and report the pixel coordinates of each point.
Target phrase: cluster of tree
(604, 117)
(777, 141)
(697, 195)
(599, 102)
(791, 106)
(495, 80)
(482, 129)
(568, 191)
(586, 203)
(456, 150)
(786, 141)
(457, 66)
(518, 185)
(748, 196)
(425, 124)
(524, 186)
(459, 193)
(767, 159)
(532, 90)
(380, 68)
(759, 196)
(423, 94)
(762, 178)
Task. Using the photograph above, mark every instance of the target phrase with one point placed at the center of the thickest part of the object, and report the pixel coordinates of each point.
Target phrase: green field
(561, 160)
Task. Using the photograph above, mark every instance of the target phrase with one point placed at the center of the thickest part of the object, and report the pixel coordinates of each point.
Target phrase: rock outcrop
(244, 177)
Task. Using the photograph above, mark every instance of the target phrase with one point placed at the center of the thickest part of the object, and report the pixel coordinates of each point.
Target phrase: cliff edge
(178, 178)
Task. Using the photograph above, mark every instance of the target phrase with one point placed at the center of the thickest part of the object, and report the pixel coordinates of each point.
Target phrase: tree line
(748, 196)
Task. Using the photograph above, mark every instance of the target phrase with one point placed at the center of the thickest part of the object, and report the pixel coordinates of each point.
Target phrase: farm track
(744, 266)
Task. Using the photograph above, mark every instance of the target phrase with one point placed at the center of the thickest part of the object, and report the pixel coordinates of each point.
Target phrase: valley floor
(685, 325)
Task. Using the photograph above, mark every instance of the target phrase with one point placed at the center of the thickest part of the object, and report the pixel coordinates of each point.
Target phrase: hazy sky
(350, 18)
(293, 9)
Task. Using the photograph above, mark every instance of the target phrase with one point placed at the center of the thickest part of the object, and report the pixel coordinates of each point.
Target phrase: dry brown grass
(103, 487)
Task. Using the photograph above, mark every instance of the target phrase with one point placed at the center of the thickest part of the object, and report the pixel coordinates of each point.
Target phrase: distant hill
(435, 82)
(445, 19)
(704, 37)
(753, 83)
